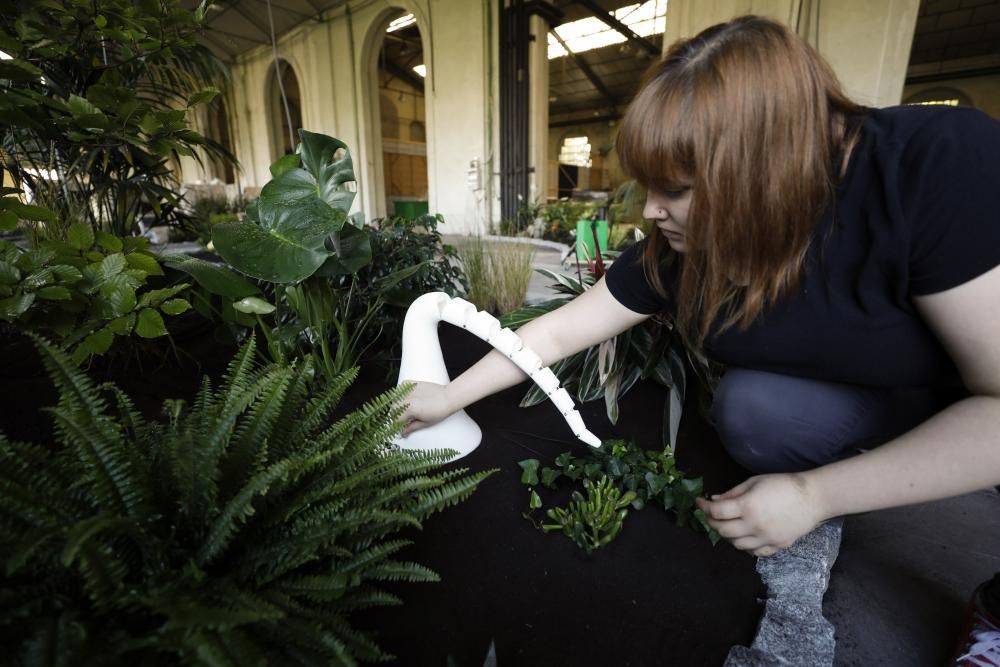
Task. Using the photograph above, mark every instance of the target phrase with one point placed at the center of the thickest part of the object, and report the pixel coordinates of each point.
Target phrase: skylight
(402, 22)
(421, 70)
(644, 19)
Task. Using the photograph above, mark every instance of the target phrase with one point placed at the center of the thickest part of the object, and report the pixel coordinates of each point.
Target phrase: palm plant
(242, 529)
(95, 105)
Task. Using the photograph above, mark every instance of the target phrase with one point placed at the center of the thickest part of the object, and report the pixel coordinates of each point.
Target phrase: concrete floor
(904, 576)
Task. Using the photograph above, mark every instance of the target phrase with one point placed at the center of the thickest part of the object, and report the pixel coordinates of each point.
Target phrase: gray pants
(776, 423)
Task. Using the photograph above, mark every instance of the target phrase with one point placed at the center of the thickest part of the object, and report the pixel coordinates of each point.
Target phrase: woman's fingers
(750, 543)
(732, 530)
(413, 425)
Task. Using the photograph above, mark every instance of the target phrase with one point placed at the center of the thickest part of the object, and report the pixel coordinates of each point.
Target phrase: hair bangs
(656, 142)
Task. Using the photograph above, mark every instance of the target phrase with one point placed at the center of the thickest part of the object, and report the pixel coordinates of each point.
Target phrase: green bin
(411, 210)
(585, 238)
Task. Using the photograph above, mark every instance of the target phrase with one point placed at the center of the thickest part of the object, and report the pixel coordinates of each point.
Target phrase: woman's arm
(587, 320)
(954, 452)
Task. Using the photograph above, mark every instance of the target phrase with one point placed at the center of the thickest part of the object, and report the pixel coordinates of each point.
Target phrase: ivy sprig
(643, 476)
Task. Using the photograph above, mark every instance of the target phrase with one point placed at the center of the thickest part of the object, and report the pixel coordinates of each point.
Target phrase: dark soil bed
(658, 595)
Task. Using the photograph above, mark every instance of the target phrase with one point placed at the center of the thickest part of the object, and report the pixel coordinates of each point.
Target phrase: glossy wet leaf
(150, 324)
(254, 306)
(216, 278)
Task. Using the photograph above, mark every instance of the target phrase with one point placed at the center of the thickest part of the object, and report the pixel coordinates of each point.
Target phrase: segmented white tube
(463, 314)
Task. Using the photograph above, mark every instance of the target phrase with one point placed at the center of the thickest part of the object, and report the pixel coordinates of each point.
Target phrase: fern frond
(21, 551)
(103, 572)
(132, 420)
(377, 554)
(111, 469)
(316, 588)
(254, 431)
(448, 495)
(236, 510)
(29, 507)
(401, 571)
(317, 411)
(45, 470)
(81, 534)
(367, 597)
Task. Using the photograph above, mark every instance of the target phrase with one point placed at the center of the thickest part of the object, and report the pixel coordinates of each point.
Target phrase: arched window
(285, 123)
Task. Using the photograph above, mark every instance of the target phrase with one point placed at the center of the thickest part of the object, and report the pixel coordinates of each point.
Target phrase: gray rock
(793, 630)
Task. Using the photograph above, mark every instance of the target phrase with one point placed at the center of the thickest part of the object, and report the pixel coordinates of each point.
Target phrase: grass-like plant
(498, 274)
(243, 529)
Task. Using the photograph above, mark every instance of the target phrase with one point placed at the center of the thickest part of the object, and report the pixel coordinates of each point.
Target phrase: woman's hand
(427, 404)
(765, 513)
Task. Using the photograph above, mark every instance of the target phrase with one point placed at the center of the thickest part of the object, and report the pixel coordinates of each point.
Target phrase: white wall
(867, 43)
(334, 62)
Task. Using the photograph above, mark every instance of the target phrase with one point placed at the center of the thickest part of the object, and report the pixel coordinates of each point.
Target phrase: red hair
(755, 121)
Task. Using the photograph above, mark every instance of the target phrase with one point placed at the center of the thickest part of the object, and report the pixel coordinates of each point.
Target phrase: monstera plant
(305, 250)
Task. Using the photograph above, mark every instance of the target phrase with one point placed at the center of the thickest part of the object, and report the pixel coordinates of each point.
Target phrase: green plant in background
(86, 291)
(306, 252)
(397, 244)
(497, 273)
(243, 529)
(94, 105)
(559, 219)
(611, 369)
(206, 212)
(614, 477)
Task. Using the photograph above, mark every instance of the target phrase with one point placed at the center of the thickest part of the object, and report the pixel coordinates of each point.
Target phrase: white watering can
(423, 362)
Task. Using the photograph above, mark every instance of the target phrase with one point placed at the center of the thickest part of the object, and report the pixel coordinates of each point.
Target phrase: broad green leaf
(150, 124)
(287, 247)
(144, 262)
(520, 317)
(121, 299)
(8, 220)
(157, 296)
(534, 501)
(19, 71)
(98, 342)
(150, 324)
(254, 306)
(54, 293)
(112, 265)
(320, 157)
(353, 250)
(13, 307)
(203, 96)
(216, 278)
(175, 306)
(35, 259)
(529, 471)
(9, 274)
(80, 236)
(122, 326)
(286, 163)
(109, 242)
(292, 186)
(81, 106)
(40, 278)
(30, 211)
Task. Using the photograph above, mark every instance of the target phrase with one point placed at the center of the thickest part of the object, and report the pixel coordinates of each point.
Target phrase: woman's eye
(675, 194)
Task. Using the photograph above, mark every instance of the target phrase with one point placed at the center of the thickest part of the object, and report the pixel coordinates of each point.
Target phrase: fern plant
(243, 529)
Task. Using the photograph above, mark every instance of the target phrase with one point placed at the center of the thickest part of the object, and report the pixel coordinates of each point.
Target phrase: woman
(841, 261)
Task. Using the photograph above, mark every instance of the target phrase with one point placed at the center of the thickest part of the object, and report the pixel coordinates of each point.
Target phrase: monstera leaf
(288, 243)
(298, 223)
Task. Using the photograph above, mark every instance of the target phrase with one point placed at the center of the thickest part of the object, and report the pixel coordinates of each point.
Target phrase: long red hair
(755, 121)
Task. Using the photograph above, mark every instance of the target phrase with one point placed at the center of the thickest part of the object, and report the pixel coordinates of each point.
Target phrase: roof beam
(587, 71)
(218, 43)
(252, 20)
(608, 18)
(304, 17)
(404, 74)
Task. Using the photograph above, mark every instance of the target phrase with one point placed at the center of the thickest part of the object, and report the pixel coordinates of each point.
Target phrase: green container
(585, 238)
(411, 210)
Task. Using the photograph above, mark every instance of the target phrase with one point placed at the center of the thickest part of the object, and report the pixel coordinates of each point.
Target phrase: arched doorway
(284, 121)
(400, 178)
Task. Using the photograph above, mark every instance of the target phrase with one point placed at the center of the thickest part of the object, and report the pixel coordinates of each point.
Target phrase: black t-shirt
(917, 212)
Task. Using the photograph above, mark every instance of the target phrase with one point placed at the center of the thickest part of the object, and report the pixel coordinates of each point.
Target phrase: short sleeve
(628, 284)
(951, 192)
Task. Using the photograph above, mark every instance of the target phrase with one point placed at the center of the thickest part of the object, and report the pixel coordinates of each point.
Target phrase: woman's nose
(653, 211)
